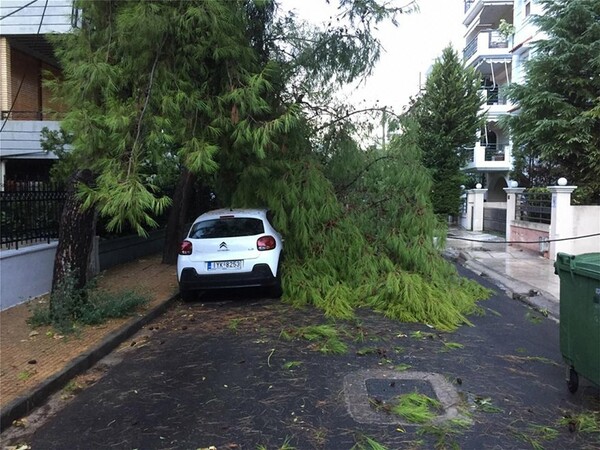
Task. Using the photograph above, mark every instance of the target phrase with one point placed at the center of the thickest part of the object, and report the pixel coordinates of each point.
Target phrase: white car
(230, 248)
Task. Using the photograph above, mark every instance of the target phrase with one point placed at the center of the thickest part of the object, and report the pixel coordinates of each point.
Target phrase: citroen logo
(223, 246)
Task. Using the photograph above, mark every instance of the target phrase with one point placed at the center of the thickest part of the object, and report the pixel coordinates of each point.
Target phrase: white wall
(54, 16)
(25, 273)
(586, 220)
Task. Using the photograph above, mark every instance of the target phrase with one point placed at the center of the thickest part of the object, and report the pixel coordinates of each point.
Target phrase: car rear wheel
(187, 295)
(276, 291)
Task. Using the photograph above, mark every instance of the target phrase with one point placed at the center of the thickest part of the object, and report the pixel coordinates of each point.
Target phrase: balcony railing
(490, 157)
(485, 41)
(495, 152)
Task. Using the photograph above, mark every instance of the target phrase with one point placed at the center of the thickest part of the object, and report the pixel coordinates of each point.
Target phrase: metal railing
(534, 207)
(29, 213)
(495, 152)
(495, 40)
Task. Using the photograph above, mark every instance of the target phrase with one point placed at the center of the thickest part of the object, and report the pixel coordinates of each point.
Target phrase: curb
(39, 394)
(515, 289)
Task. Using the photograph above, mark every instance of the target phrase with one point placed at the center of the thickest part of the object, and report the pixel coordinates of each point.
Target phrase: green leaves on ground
(324, 338)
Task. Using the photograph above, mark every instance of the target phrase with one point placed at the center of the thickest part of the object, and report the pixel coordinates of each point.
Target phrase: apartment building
(499, 57)
(25, 104)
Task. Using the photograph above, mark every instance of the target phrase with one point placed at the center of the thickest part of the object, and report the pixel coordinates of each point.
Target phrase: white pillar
(475, 209)
(5, 75)
(2, 174)
(511, 208)
(561, 219)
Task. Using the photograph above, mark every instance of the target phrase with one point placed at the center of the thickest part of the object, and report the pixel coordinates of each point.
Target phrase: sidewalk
(35, 364)
(523, 274)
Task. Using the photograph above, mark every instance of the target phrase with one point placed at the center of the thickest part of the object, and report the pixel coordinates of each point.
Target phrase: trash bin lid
(586, 264)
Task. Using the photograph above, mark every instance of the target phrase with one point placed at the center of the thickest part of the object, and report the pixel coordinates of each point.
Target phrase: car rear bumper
(261, 276)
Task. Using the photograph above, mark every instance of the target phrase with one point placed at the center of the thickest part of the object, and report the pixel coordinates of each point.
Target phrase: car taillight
(186, 248)
(266, 243)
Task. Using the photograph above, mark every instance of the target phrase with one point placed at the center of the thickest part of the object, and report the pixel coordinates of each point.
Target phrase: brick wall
(26, 74)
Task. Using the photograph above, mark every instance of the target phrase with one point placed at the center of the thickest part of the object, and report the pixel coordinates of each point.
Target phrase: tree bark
(178, 216)
(76, 235)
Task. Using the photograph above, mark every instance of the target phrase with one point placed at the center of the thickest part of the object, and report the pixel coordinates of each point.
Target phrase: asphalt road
(224, 372)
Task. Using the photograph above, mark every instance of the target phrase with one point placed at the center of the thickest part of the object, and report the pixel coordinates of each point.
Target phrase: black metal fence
(534, 207)
(29, 213)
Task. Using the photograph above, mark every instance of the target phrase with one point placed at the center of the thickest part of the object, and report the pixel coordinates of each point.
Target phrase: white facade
(500, 59)
(25, 55)
(39, 17)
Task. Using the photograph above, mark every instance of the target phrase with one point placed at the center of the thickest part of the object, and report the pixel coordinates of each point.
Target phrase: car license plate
(224, 265)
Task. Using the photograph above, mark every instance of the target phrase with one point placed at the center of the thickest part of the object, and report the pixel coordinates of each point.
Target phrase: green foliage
(367, 443)
(416, 408)
(556, 131)
(377, 251)
(447, 116)
(145, 90)
(325, 337)
(583, 422)
(70, 307)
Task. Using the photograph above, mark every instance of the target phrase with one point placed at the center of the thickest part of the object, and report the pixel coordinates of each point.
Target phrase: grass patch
(402, 367)
(422, 335)
(585, 422)
(416, 408)
(367, 443)
(24, 375)
(291, 365)
(451, 346)
(325, 338)
(533, 318)
(537, 435)
(70, 307)
(486, 405)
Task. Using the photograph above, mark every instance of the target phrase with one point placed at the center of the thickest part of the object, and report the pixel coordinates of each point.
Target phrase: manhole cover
(384, 385)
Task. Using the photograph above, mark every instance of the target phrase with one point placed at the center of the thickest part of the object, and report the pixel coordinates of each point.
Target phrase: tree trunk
(178, 216)
(76, 235)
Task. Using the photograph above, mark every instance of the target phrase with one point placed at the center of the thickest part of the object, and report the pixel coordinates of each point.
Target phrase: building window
(528, 8)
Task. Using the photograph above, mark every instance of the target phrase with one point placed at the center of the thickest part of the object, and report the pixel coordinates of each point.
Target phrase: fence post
(475, 208)
(512, 194)
(561, 218)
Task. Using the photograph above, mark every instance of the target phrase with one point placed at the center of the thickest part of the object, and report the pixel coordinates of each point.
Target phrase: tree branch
(146, 101)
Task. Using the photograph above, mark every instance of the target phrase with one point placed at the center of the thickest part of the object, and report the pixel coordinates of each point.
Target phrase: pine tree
(556, 131)
(448, 116)
(146, 88)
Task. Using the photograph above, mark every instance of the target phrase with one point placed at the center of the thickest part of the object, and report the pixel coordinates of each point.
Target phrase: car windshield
(227, 227)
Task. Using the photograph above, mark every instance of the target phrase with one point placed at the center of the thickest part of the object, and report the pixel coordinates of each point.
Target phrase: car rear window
(227, 227)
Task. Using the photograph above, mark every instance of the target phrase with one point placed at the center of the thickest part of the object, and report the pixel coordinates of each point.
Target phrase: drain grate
(384, 385)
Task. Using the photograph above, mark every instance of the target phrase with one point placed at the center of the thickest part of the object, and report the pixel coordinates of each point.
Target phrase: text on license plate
(224, 265)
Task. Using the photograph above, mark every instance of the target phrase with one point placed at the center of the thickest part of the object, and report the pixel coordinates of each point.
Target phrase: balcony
(486, 44)
(478, 12)
(489, 158)
(495, 105)
(35, 18)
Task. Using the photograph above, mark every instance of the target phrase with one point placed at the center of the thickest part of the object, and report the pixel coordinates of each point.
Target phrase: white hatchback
(230, 248)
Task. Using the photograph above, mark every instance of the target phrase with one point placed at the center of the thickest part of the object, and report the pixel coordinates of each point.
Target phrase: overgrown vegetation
(556, 132)
(257, 120)
(70, 307)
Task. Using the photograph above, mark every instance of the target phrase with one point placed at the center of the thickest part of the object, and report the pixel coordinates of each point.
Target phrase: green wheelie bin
(580, 316)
